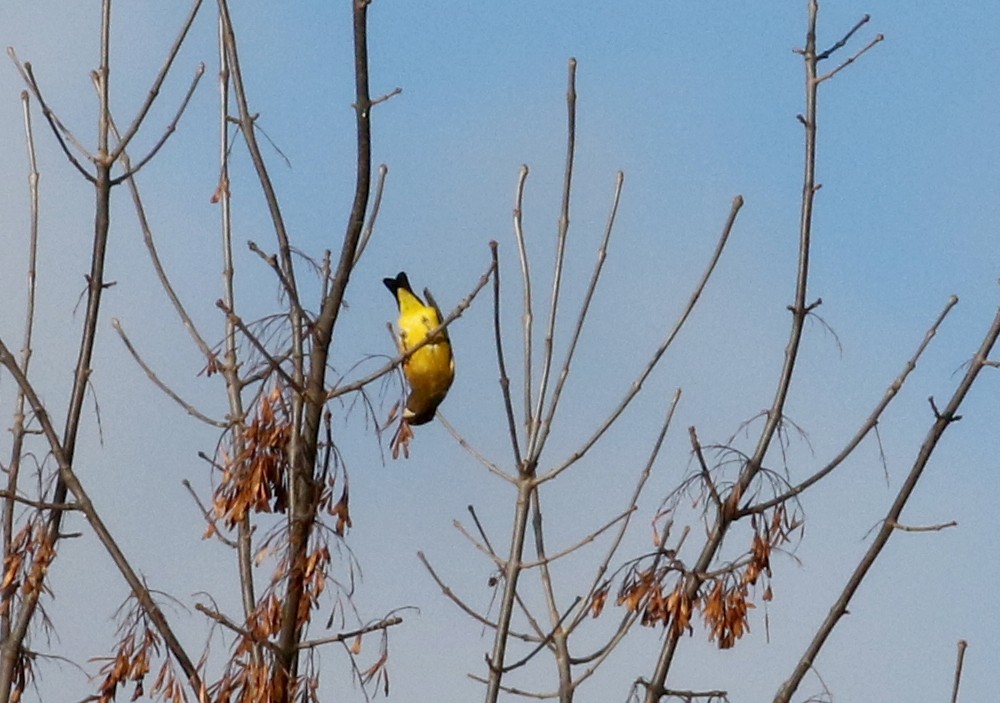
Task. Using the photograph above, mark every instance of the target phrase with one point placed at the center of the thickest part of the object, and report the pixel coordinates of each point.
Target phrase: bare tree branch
(508, 404)
(366, 235)
(130, 171)
(261, 348)
(450, 594)
(62, 134)
(871, 423)
(647, 470)
(823, 55)
(19, 426)
(800, 310)
(343, 636)
(962, 644)
(527, 319)
(167, 390)
(475, 453)
(147, 235)
(827, 76)
(602, 252)
(923, 528)
(154, 91)
(286, 285)
(535, 433)
(660, 351)
(11, 646)
(941, 423)
(706, 475)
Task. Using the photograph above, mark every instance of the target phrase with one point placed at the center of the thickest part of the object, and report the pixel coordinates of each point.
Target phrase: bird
(431, 369)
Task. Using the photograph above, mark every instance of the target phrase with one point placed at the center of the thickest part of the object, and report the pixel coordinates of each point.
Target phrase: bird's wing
(433, 304)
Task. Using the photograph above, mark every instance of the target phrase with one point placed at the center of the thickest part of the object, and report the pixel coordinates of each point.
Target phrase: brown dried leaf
(342, 513)
(598, 601)
(401, 439)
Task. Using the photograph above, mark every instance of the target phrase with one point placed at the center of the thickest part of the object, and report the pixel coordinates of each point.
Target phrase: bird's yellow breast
(431, 368)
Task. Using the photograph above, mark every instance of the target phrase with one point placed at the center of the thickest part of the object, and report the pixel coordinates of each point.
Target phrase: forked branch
(941, 423)
(869, 424)
(636, 386)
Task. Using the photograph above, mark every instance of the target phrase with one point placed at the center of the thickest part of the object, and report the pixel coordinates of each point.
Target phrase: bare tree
(749, 496)
(30, 545)
(280, 497)
(276, 454)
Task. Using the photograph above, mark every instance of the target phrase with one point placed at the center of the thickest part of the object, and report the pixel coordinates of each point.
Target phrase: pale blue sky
(695, 102)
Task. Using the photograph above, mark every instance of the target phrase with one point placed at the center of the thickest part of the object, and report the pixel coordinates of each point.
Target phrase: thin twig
(479, 527)
(823, 55)
(508, 404)
(647, 471)
(450, 595)
(62, 134)
(475, 453)
(366, 234)
(871, 423)
(208, 515)
(895, 524)
(387, 96)
(147, 236)
(706, 475)
(528, 317)
(491, 552)
(274, 363)
(246, 124)
(37, 504)
(167, 390)
(602, 253)
(154, 90)
(548, 638)
(827, 76)
(286, 285)
(582, 542)
(229, 624)
(481, 546)
(962, 644)
(514, 691)
(688, 694)
(171, 128)
(660, 351)
(343, 636)
(534, 434)
(557, 636)
(19, 428)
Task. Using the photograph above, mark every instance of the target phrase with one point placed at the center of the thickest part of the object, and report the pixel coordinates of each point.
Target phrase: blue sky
(695, 102)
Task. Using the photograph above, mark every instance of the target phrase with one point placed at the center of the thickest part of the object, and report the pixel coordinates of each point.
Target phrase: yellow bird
(431, 369)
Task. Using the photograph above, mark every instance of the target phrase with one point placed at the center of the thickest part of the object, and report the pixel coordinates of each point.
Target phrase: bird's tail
(400, 282)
